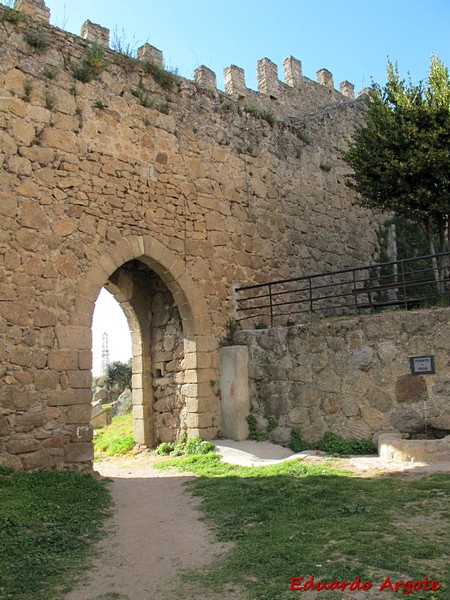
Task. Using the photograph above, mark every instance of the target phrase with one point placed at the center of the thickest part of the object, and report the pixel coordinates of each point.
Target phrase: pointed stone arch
(200, 361)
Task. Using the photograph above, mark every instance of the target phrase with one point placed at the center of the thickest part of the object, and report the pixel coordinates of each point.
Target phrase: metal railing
(408, 283)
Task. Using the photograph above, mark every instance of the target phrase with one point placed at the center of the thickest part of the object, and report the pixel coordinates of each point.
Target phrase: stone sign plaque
(421, 365)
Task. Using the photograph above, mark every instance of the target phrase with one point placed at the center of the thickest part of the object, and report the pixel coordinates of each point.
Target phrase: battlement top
(234, 77)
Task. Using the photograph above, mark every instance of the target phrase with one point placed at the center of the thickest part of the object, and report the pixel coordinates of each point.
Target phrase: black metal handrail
(407, 283)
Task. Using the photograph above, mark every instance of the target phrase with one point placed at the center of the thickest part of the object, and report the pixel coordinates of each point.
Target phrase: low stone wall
(394, 447)
(350, 376)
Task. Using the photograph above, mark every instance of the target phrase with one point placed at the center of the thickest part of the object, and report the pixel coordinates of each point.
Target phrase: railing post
(310, 295)
(354, 292)
(405, 297)
(270, 304)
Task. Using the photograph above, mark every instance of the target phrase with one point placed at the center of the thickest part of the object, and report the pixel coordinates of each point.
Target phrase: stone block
(22, 445)
(69, 397)
(363, 358)
(24, 133)
(79, 379)
(8, 205)
(29, 421)
(64, 227)
(95, 33)
(407, 420)
(292, 71)
(63, 360)
(325, 78)
(347, 89)
(78, 452)
(16, 399)
(298, 415)
(43, 156)
(167, 435)
(44, 318)
(331, 405)
(207, 433)
(85, 360)
(151, 54)
(34, 8)
(15, 106)
(15, 313)
(199, 420)
(59, 139)
(410, 389)
(205, 77)
(234, 80)
(167, 404)
(378, 399)
(141, 412)
(77, 414)
(83, 434)
(42, 459)
(33, 216)
(267, 75)
(57, 441)
(11, 461)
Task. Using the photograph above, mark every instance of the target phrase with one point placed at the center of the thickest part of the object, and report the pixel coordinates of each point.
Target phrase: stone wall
(351, 376)
(106, 160)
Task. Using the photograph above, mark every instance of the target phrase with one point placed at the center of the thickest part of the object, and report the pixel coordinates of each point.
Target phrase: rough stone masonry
(168, 192)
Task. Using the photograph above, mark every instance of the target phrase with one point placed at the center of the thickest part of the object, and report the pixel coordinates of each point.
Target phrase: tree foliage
(118, 376)
(400, 156)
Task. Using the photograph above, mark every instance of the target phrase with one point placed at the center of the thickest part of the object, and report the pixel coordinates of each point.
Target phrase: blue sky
(350, 38)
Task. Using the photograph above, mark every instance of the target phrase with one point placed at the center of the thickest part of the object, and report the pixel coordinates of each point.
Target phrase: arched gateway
(173, 360)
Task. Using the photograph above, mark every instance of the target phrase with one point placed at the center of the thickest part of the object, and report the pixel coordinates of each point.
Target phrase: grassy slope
(293, 520)
(116, 438)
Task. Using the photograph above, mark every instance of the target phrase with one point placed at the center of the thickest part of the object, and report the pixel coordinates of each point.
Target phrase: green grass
(116, 438)
(293, 520)
(48, 524)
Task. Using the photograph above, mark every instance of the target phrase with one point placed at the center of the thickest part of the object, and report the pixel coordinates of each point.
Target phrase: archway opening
(111, 336)
(111, 376)
(157, 349)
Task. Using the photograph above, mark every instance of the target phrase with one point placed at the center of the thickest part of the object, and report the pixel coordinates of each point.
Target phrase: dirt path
(155, 533)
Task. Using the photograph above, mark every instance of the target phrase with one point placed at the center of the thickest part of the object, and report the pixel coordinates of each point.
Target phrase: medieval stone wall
(105, 159)
(351, 376)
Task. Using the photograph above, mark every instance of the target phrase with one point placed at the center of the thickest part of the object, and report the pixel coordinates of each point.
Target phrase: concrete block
(234, 392)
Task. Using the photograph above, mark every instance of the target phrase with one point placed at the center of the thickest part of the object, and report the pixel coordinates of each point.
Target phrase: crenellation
(325, 78)
(151, 54)
(95, 33)
(364, 92)
(347, 89)
(34, 8)
(205, 77)
(292, 71)
(267, 75)
(234, 80)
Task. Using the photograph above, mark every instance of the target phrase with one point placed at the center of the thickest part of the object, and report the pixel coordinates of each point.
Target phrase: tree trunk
(427, 228)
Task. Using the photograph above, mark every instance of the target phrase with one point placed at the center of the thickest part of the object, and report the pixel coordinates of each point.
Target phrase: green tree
(118, 376)
(400, 155)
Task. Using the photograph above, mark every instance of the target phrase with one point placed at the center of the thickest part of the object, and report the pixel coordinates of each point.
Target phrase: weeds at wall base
(331, 443)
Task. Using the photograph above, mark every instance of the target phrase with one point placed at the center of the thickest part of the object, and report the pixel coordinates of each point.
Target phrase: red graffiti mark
(232, 390)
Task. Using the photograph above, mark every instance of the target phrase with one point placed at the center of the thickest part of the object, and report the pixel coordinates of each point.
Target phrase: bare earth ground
(155, 532)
